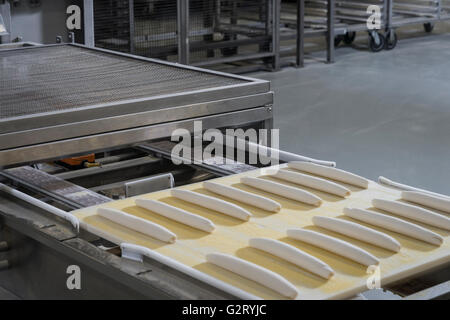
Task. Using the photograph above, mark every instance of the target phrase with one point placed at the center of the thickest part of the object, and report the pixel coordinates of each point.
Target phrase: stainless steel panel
(149, 184)
(81, 145)
(101, 125)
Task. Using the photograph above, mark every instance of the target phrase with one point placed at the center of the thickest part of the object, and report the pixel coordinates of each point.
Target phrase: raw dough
(293, 255)
(334, 245)
(138, 224)
(176, 214)
(132, 251)
(243, 196)
(329, 172)
(428, 200)
(212, 203)
(357, 231)
(254, 272)
(312, 182)
(413, 212)
(283, 190)
(394, 224)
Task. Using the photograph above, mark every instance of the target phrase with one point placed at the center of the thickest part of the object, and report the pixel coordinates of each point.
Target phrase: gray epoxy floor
(385, 113)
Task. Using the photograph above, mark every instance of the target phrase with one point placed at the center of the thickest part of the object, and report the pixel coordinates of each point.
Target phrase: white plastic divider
(285, 156)
(38, 203)
(136, 253)
(405, 187)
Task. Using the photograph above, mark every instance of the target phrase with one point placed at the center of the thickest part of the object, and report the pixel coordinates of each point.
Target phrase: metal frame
(183, 47)
(354, 20)
(51, 135)
(300, 30)
(411, 13)
(272, 26)
(88, 19)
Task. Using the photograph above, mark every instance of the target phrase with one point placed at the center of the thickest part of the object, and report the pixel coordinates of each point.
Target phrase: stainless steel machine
(62, 101)
(82, 126)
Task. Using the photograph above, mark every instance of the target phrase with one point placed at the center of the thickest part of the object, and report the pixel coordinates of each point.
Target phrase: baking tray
(231, 236)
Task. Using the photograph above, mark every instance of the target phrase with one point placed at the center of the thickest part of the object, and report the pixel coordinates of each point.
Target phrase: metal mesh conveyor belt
(56, 78)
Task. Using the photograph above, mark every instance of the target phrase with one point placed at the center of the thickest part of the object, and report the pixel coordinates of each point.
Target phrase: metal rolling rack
(426, 12)
(194, 32)
(352, 16)
(308, 19)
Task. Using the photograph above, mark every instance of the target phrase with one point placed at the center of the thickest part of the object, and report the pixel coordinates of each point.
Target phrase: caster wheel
(376, 42)
(349, 37)
(390, 40)
(338, 39)
(428, 27)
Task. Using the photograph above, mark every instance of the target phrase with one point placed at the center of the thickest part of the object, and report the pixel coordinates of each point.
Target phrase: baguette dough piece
(138, 224)
(413, 212)
(282, 190)
(313, 182)
(293, 255)
(329, 172)
(394, 224)
(357, 231)
(212, 203)
(176, 214)
(428, 200)
(334, 245)
(254, 272)
(243, 196)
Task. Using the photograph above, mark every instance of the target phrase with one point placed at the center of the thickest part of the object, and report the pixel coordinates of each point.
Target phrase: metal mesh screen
(155, 29)
(46, 79)
(216, 28)
(112, 24)
(219, 29)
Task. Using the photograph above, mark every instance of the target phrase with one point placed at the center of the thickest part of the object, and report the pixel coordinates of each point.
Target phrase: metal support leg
(208, 23)
(388, 15)
(88, 16)
(276, 34)
(131, 22)
(182, 29)
(330, 27)
(300, 54)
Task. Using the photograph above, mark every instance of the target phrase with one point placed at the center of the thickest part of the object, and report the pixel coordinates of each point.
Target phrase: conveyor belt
(71, 194)
(231, 236)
